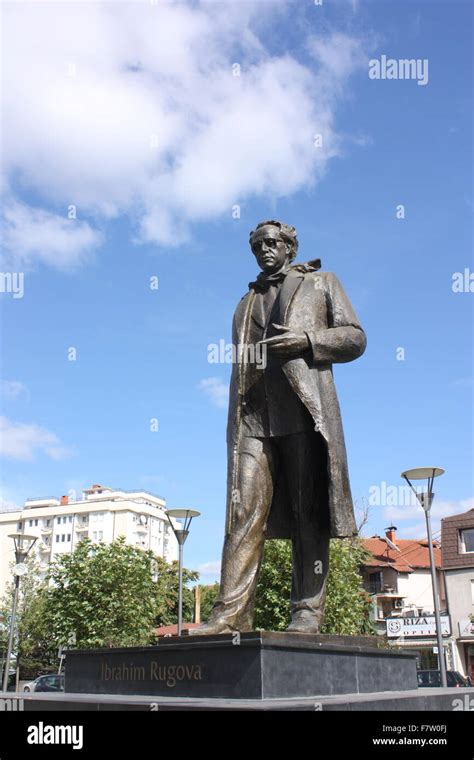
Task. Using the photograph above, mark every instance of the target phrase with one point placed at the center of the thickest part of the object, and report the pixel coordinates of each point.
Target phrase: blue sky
(133, 114)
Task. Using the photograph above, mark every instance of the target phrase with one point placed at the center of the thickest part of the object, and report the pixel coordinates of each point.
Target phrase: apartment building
(457, 535)
(398, 577)
(102, 514)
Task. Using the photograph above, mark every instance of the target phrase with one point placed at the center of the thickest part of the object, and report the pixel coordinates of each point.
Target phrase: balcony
(46, 530)
(373, 587)
(82, 526)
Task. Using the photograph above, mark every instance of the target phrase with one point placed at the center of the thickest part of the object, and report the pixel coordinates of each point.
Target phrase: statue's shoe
(304, 622)
(211, 628)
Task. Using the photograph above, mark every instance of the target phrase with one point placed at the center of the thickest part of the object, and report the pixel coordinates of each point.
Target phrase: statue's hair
(287, 233)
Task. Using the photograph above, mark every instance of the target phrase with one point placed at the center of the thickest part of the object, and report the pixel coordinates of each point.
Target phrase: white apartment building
(102, 514)
(458, 564)
(397, 575)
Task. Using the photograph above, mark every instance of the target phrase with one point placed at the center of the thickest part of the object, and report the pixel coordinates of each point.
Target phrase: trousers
(297, 464)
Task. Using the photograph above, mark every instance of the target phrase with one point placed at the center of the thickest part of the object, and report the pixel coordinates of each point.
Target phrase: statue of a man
(287, 468)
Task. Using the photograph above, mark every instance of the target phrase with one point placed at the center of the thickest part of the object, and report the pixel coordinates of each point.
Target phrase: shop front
(465, 645)
(419, 635)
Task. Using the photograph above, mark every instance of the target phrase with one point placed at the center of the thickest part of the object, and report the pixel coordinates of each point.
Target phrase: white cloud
(210, 568)
(91, 87)
(31, 234)
(13, 389)
(439, 510)
(463, 382)
(7, 505)
(338, 54)
(216, 391)
(22, 441)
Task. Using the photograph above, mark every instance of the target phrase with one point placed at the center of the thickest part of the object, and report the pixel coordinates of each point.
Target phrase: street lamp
(23, 545)
(181, 536)
(426, 500)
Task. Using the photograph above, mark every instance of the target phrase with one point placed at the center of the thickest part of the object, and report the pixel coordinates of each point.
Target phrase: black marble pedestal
(258, 665)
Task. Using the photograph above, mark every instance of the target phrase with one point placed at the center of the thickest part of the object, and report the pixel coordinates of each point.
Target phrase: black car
(433, 678)
(11, 686)
(50, 682)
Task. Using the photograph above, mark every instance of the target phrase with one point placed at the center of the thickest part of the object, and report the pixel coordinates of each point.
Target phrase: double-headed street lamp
(23, 545)
(181, 534)
(426, 499)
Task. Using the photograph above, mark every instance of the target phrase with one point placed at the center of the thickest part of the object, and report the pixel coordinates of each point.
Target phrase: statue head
(273, 244)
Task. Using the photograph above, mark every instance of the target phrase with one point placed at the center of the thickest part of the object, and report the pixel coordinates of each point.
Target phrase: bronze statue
(287, 466)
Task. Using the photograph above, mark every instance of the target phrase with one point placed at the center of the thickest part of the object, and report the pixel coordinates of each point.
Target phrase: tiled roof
(172, 630)
(413, 554)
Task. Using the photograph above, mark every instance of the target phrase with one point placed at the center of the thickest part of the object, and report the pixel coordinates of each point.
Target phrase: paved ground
(417, 700)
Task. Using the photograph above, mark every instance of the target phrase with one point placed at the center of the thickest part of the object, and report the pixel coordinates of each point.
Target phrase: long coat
(315, 303)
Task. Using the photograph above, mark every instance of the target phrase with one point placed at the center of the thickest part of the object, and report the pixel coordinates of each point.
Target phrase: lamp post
(23, 545)
(181, 536)
(426, 500)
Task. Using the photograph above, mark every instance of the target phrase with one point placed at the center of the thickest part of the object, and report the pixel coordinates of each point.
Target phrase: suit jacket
(315, 303)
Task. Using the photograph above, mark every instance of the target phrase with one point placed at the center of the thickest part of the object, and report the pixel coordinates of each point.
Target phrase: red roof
(413, 554)
(172, 630)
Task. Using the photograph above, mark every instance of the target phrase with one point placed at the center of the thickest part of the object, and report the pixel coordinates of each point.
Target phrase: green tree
(33, 645)
(348, 606)
(272, 604)
(167, 590)
(209, 595)
(112, 595)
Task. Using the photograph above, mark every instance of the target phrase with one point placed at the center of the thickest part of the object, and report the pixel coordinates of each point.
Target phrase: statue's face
(269, 249)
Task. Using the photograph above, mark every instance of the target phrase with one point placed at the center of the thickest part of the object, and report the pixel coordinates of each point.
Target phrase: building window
(19, 526)
(58, 521)
(467, 540)
(68, 536)
(57, 538)
(63, 537)
(374, 583)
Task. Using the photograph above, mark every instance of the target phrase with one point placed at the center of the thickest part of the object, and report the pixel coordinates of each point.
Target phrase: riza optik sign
(466, 628)
(416, 626)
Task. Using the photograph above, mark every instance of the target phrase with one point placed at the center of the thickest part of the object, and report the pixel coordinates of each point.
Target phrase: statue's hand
(287, 344)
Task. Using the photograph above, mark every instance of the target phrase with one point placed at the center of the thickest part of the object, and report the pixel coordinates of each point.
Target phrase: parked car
(433, 678)
(46, 683)
(11, 686)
